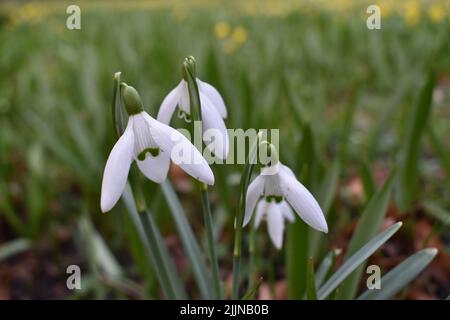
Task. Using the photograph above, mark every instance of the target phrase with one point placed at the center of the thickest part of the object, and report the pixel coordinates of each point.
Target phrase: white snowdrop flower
(278, 182)
(213, 113)
(275, 213)
(152, 145)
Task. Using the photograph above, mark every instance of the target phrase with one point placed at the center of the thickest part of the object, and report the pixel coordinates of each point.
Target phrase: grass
(315, 73)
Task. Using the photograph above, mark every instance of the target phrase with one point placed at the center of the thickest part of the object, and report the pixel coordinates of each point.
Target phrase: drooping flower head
(277, 182)
(152, 145)
(213, 112)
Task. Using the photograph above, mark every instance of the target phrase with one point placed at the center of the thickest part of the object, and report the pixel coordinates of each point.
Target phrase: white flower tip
(246, 219)
(431, 251)
(321, 226)
(207, 177)
(117, 75)
(278, 245)
(105, 206)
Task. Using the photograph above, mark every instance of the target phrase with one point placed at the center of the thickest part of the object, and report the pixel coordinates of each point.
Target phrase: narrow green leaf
(326, 266)
(441, 151)
(168, 264)
(13, 247)
(436, 211)
(326, 195)
(311, 290)
(408, 180)
(329, 185)
(396, 279)
(292, 102)
(369, 223)
(164, 267)
(251, 293)
(98, 251)
(297, 257)
(355, 260)
(367, 179)
(188, 240)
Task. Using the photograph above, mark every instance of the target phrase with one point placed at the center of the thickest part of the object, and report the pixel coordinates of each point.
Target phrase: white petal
(155, 168)
(286, 169)
(142, 136)
(184, 102)
(261, 210)
(169, 104)
(181, 151)
(214, 96)
(287, 211)
(275, 224)
(215, 132)
(303, 202)
(117, 168)
(254, 191)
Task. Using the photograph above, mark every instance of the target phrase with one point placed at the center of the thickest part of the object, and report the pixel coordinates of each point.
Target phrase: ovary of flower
(222, 29)
(213, 112)
(279, 182)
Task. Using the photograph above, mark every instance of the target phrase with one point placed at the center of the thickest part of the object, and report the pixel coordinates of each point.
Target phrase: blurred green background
(306, 67)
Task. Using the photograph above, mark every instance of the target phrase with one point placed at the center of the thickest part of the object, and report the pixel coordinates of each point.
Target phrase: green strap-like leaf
(188, 240)
(326, 266)
(156, 250)
(396, 279)
(251, 293)
(311, 291)
(13, 247)
(407, 179)
(368, 225)
(355, 260)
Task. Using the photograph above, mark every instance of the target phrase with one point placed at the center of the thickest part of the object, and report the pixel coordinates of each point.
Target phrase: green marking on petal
(277, 199)
(185, 116)
(154, 152)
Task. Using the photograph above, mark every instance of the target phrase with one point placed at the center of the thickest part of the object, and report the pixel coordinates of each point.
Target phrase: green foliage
(344, 98)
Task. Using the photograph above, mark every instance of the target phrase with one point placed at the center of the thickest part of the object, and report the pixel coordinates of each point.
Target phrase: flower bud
(132, 100)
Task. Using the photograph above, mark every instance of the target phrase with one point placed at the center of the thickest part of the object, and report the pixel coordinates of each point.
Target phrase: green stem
(237, 251)
(189, 75)
(238, 246)
(211, 246)
(252, 258)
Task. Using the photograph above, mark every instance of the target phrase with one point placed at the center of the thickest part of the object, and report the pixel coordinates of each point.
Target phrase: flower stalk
(189, 75)
(237, 251)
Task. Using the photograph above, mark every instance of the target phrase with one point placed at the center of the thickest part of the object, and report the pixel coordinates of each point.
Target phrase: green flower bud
(189, 66)
(132, 100)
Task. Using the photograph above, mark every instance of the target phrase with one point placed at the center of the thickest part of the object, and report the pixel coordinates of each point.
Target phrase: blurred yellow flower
(222, 29)
(412, 13)
(436, 12)
(386, 8)
(239, 35)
